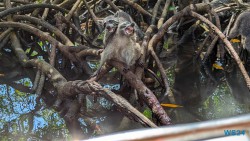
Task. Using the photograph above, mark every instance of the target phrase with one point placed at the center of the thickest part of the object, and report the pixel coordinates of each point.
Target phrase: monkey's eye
(113, 22)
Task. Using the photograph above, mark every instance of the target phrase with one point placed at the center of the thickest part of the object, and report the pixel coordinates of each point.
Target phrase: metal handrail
(184, 132)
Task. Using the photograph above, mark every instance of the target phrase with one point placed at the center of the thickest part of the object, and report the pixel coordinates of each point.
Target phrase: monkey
(123, 47)
(242, 27)
(110, 24)
(120, 41)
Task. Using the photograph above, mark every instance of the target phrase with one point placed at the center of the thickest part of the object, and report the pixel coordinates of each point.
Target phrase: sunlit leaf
(19, 93)
(171, 8)
(40, 43)
(1, 74)
(235, 40)
(26, 83)
(217, 66)
(147, 113)
(34, 53)
(171, 105)
(205, 27)
(27, 50)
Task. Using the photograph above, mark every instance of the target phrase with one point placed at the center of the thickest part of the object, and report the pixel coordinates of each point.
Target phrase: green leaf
(147, 113)
(34, 53)
(27, 50)
(27, 83)
(40, 43)
(20, 93)
(171, 8)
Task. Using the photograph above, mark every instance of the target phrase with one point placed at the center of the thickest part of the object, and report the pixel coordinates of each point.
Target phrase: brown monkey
(242, 27)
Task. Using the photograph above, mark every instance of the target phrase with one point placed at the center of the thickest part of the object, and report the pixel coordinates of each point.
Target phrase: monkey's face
(127, 28)
(110, 27)
(110, 24)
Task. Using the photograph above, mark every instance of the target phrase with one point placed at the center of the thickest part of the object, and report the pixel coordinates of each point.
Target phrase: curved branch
(164, 13)
(93, 15)
(137, 7)
(229, 46)
(190, 11)
(88, 52)
(144, 92)
(54, 76)
(5, 33)
(139, 70)
(112, 5)
(71, 88)
(50, 27)
(162, 72)
(30, 6)
(41, 35)
(155, 12)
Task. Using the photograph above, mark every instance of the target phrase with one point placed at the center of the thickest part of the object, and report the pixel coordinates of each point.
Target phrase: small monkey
(120, 40)
(242, 27)
(122, 47)
(110, 24)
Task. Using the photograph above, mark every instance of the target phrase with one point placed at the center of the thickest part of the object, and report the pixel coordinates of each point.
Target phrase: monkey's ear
(117, 13)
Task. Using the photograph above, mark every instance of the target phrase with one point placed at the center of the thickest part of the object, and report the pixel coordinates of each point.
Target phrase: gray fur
(122, 47)
(242, 27)
(109, 22)
(123, 16)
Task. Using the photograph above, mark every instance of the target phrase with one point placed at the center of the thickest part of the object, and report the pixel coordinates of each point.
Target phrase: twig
(73, 9)
(139, 70)
(93, 16)
(112, 5)
(36, 81)
(30, 6)
(137, 7)
(162, 72)
(155, 11)
(164, 13)
(50, 27)
(76, 29)
(5, 33)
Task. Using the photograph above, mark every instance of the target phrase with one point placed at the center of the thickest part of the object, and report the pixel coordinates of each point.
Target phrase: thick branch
(147, 95)
(50, 27)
